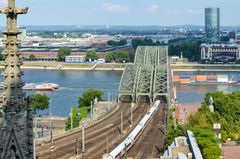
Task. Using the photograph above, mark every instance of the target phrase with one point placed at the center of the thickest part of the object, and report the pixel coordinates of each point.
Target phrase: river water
(73, 83)
(195, 93)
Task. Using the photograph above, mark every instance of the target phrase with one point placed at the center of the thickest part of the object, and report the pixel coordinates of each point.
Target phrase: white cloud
(153, 9)
(110, 7)
(3, 2)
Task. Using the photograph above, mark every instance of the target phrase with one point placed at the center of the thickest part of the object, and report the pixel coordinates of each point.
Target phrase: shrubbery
(84, 106)
(226, 112)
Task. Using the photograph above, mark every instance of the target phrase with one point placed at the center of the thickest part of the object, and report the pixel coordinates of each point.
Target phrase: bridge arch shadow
(144, 99)
(162, 98)
(125, 99)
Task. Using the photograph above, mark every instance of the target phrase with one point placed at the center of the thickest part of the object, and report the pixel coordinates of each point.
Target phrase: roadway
(70, 144)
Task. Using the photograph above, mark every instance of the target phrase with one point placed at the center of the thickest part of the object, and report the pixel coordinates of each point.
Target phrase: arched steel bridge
(148, 77)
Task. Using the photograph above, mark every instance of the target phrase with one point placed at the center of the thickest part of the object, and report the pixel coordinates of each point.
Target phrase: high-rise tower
(16, 129)
(212, 25)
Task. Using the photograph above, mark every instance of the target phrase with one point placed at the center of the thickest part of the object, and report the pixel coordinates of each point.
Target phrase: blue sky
(124, 12)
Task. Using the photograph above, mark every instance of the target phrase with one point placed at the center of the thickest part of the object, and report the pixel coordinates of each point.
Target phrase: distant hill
(58, 28)
(72, 28)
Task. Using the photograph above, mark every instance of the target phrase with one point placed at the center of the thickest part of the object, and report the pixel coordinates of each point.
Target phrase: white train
(130, 140)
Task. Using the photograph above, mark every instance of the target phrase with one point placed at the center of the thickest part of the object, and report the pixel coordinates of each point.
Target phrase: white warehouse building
(75, 59)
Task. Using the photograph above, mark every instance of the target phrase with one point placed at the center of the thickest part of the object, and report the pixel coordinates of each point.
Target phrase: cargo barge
(204, 80)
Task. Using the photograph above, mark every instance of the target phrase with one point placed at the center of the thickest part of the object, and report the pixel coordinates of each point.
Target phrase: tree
(227, 112)
(62, 53)
(190, 49)
(144, 42)
(120, 56)
(109, 57)
(200, 120)
(207, 142)
(173, 133)
(75, 115)
(31, 57)
(40, 101)
(89, 97)
(117, 43)
(91, 55)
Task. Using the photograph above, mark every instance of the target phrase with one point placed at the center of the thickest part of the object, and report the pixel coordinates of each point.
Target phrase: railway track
(95, 136)
(115, 135)
(151, 143)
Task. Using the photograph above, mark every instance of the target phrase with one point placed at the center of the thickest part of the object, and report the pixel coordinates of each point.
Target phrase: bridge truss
(145, 82)
(128, 82)
(148, 76)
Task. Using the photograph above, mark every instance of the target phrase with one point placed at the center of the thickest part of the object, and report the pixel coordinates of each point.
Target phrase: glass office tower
(212, 25)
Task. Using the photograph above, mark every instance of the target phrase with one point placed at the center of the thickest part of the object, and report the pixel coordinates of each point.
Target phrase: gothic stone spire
(16, 128)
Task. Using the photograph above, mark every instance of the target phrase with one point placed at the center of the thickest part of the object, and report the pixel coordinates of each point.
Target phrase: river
(73, 83)
(195, 93)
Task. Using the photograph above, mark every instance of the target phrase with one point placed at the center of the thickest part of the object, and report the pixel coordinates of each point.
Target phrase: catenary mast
(16, 129)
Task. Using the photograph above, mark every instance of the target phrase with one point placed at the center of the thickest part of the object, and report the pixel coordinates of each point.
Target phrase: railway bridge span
(147, 79)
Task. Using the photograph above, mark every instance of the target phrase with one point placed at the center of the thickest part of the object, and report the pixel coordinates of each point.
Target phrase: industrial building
(220, 53)
(212, 25)
(39, 55)
(75, 59)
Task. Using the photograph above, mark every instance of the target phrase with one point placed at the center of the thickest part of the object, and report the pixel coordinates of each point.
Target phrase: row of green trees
(117, 56)
(117, 43)
(120, 56)
(190, 49)
(64, 51)
(145, 42)
(84, 106)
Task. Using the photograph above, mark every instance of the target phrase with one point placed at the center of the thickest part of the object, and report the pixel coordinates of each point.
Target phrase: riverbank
(53, 65)
(185, 67)
(193, 67)
(206, 70)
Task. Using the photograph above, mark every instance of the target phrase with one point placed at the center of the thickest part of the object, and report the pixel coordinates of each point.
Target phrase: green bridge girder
(151, 55)
(140, 55)
(145, 82)
(148, 76)
(162, 55)
(128, 82)
(160, 85)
